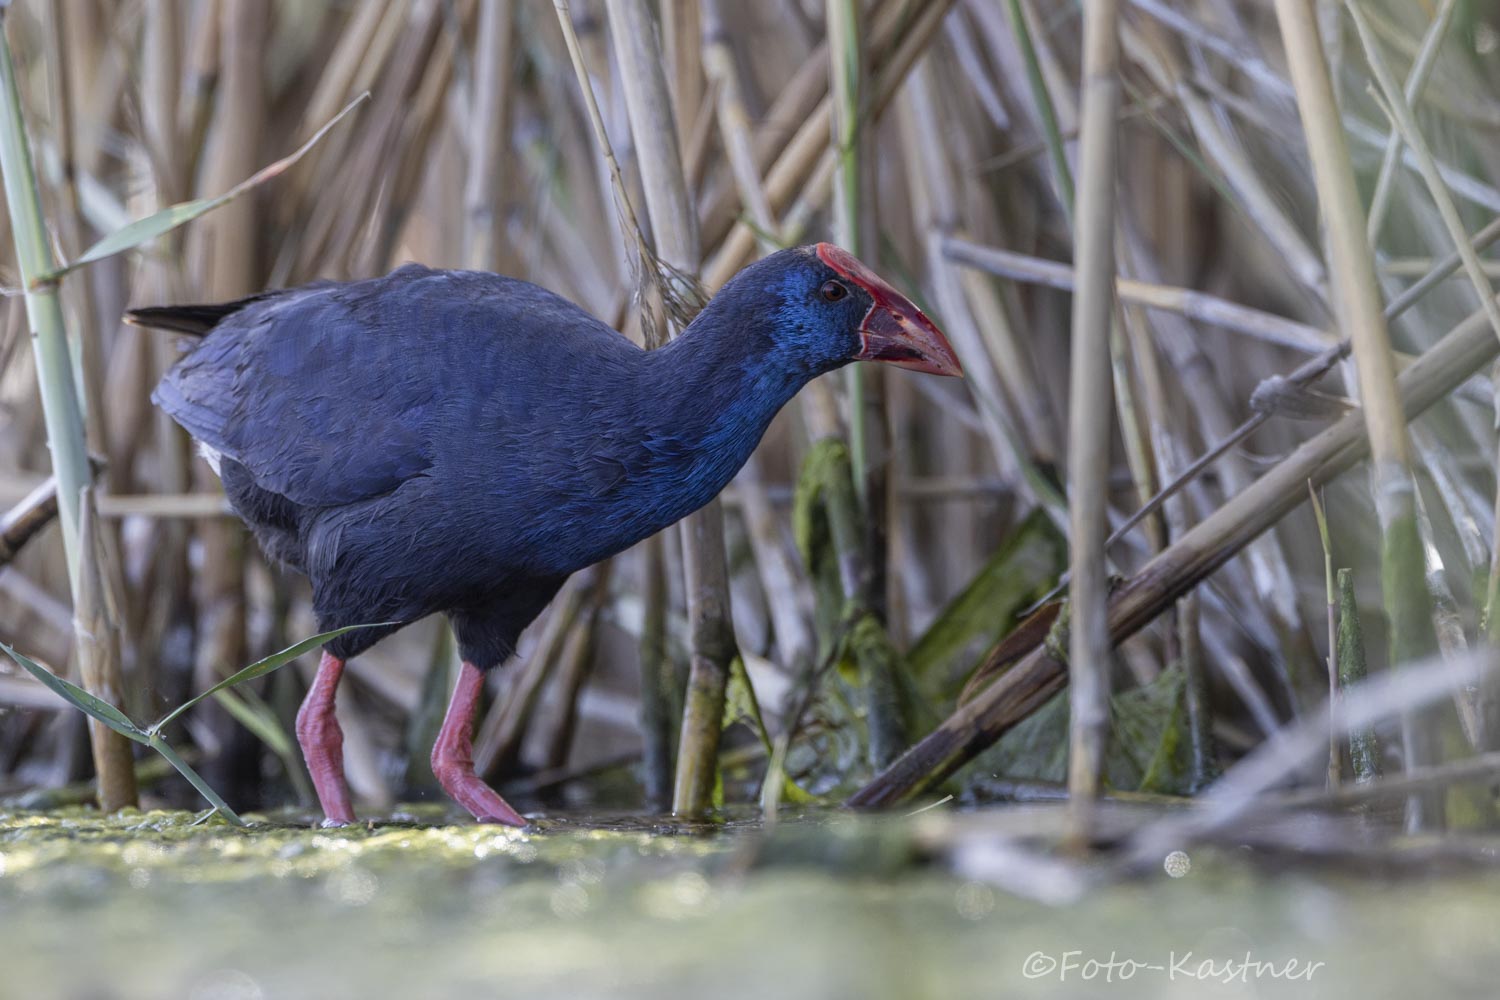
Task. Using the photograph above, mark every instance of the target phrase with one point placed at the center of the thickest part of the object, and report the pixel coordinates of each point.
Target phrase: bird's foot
(453, 757)
(482, 801)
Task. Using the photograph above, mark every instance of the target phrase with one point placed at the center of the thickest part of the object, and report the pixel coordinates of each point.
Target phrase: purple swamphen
(460, 442)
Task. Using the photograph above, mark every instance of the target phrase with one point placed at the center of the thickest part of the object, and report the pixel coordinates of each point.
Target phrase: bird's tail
(192, 319)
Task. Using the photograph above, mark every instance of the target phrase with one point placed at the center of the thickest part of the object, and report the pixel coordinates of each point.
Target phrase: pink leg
(323, 742)
(453, 756)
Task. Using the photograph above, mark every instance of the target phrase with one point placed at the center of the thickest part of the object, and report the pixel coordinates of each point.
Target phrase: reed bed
(1195, 255)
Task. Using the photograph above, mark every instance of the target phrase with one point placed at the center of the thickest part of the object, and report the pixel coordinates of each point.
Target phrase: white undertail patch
(210, 455)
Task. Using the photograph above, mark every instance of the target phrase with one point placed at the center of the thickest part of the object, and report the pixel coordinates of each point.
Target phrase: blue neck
(684, 418)
(715, 396)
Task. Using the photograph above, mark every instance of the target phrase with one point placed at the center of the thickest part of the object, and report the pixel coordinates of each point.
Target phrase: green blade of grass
(79, 698)
(120, 723)
(160, 223)
(260, 668)
(164, 748)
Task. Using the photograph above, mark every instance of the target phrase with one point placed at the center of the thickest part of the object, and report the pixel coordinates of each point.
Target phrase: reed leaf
(260, 668)
(160, 223)
(164, 748)
(95, 708)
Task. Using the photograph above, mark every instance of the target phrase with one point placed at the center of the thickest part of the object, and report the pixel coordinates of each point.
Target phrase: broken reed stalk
(651, 333)
(1090, 405)
(22, 522)
(1028, 684)
(1331, 661)
(661, 703)
(711, 642)
(62, 412)
(1364, 749)
(1489, 691)
(1357, 304)
(1055, 110)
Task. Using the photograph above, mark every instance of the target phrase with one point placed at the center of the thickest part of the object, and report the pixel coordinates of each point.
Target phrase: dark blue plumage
(460, 442)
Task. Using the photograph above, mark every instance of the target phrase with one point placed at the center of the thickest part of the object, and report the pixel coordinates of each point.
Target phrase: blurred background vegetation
(892, 531)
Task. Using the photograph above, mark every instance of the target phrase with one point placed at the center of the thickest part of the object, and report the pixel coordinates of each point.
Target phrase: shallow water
(148, 905)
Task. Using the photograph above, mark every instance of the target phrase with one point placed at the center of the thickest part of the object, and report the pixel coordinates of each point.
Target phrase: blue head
(709, 395)
(812, 309)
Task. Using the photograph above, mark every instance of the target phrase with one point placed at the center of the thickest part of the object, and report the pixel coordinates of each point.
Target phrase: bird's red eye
(832, 291)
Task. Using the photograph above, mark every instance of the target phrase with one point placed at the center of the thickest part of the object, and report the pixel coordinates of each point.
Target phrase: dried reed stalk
(786, 591)
(1089, 425)
(1357, 303)
(226, 251)
(1028, 684)
(62, 413)
(674, 225)
(97, 647)
(485, 190)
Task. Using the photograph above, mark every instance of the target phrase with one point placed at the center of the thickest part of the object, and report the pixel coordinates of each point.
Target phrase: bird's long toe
(467, 789)
(453, 756)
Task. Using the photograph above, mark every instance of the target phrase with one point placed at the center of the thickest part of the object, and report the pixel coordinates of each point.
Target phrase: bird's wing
(340, 392)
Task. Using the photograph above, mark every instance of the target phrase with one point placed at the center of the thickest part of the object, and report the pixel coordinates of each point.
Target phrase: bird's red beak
(894, 330)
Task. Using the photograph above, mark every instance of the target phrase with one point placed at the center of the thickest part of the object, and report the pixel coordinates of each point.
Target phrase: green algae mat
(151, 905)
